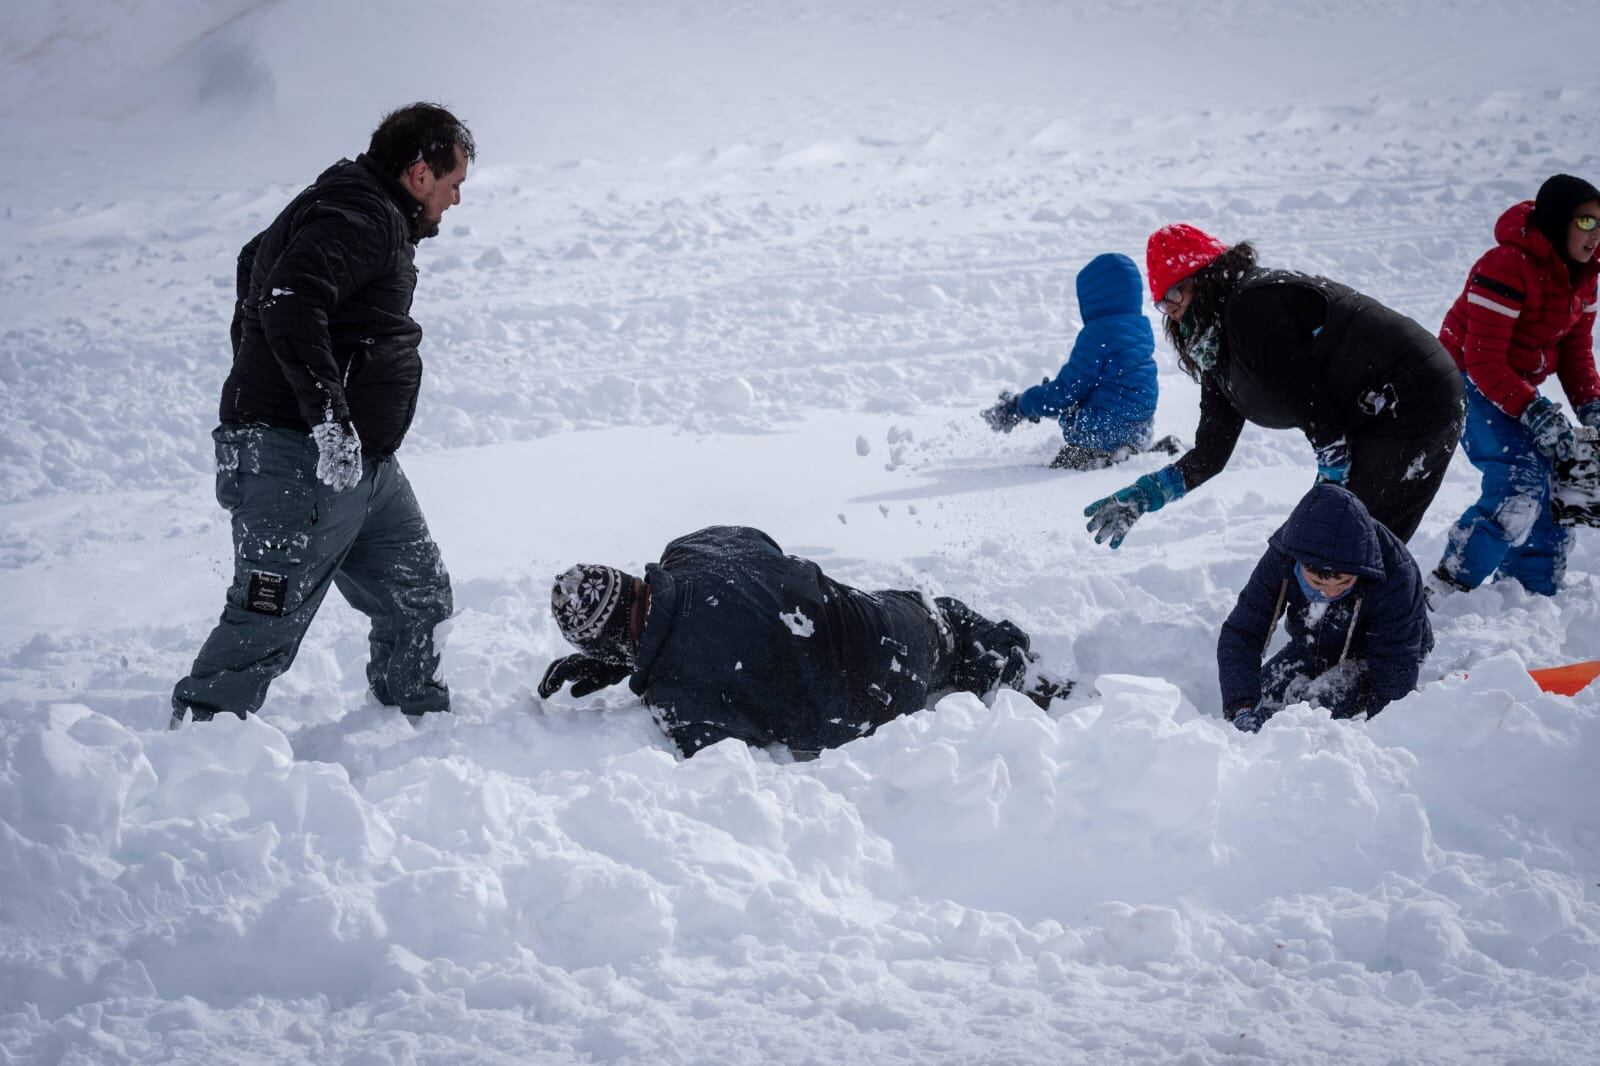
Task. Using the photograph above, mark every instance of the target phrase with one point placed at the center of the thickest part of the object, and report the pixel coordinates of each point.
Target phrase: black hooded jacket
(322, 324)
(1302, 352)
(1381, 621)
(744, 641)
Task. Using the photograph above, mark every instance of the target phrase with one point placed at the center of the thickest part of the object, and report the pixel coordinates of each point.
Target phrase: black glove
(586, 673)
(1004, 416)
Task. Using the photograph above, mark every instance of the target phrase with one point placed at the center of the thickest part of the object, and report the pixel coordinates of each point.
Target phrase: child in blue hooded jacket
(1105, 395)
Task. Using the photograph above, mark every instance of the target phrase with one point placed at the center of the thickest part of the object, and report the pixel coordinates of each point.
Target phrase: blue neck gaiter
(1311, 590)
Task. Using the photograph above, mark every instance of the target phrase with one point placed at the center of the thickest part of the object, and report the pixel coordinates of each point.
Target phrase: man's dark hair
(1213, 284)
(420, 131)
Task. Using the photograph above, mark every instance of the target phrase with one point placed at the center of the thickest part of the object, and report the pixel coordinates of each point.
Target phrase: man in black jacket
(323, 388)
(729, 637)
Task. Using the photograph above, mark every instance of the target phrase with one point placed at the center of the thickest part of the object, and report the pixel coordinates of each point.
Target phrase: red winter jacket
(1521, 317)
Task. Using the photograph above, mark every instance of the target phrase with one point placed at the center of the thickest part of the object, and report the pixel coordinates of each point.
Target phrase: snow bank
(755, 263)
(1128, 840)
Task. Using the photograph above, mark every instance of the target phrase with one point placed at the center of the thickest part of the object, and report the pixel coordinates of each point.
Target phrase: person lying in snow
(1351, 597)
(1105, 396)
(729, 637)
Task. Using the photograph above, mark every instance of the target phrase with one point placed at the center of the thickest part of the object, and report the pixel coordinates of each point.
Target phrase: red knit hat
(1174, 252)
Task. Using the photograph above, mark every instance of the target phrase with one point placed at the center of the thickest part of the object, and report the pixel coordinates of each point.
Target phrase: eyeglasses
(1585, 223)
(1174, 297)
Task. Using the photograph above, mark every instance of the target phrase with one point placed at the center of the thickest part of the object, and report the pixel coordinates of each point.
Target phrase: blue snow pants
(1510, 531)
(293, 537)
(1094, 429)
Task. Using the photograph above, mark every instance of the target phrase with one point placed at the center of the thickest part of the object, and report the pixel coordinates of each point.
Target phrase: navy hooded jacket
(1105, 395)
(1381, 621)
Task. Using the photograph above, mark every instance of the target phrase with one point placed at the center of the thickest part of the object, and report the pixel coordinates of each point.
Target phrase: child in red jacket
(1527, 311)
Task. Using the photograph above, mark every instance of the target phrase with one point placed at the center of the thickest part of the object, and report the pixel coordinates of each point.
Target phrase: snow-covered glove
(1249, 719)
(1004, 416)
(1333, 462)
(1112, 516)
(1589, 414)
(587, 674)
(338, 454)
(1550, 429)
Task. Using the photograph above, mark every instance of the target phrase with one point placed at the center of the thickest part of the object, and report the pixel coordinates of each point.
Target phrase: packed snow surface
(763, 263)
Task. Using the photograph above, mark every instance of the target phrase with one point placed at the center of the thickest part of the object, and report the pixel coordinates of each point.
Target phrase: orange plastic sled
(1566, 680)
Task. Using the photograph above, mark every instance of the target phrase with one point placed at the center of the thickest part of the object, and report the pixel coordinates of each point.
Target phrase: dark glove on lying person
(586, 673)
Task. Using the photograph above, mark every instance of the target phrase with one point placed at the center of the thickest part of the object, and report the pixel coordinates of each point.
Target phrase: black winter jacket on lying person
(322, 324)
(1382, 621)
(741, 640)
(1302, 352)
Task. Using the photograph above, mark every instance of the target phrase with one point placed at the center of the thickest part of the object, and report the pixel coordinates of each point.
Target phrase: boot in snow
(1439, 584)
(1077, 457)
(1168, 445)
(1043, 686)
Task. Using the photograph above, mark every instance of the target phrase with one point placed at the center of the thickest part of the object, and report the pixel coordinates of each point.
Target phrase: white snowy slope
(762, 263)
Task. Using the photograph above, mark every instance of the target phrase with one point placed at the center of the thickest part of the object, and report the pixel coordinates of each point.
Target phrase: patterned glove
(1333, 462)
(586, 673)
(338, 455)
(1004, 416)
(1589, 414)
(1249, 719)
(1112, 516)
(1550, 429)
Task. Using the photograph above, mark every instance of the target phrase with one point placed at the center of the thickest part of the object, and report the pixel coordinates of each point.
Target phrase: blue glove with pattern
(1550, 429)
(1333, 462)
(1112, 516)
(1249, 719)
(1589, 414)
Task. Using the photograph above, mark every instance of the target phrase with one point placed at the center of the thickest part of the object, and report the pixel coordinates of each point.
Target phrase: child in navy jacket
(1350, 596)
(1105, 395)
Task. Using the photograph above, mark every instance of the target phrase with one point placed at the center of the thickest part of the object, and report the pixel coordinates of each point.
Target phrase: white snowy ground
(761, 263)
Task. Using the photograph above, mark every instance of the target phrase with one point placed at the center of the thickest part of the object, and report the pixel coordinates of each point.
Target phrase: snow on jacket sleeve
(333, 253)
(1497, 288)
(1083, 368)
(1245, 634)
(1214, 437)
(1576, 368)
(1398, 635)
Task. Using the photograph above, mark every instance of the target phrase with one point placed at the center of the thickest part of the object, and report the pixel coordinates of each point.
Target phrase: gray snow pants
(292, 538)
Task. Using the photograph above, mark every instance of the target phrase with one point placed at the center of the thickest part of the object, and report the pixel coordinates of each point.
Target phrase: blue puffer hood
(1109, 285)
(1331, 529)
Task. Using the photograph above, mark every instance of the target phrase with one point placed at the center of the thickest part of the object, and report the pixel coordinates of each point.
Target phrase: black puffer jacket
(744, 641)
(323, 323)
(1302, 352)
